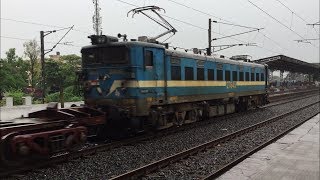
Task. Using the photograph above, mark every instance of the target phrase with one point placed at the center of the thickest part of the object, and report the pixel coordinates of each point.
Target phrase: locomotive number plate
(231, 85)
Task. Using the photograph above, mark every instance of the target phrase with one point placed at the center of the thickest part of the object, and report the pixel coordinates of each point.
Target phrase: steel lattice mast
(97, 20)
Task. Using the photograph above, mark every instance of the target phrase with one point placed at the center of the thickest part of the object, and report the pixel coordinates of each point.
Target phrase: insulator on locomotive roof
(124, 36)
(195, 50)
(102, 39)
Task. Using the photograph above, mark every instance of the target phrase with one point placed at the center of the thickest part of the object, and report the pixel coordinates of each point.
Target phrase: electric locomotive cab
(123, 78)
(105, 64)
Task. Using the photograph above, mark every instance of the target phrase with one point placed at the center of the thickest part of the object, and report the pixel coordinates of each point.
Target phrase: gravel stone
(114, 162)
(197, 167)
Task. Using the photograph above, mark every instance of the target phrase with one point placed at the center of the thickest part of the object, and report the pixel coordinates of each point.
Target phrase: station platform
(294, 156)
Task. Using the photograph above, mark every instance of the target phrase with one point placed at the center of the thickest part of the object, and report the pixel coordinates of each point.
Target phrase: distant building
(55, 57)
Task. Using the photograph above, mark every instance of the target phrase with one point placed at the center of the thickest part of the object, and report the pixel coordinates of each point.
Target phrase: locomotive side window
(227, 75)
(210, 74)
(175, 73)
(252, 77)
(148, 58)
(257, 77)
(234, 75)
(200, 74)
(262, 76)
(247, 76)
(241, 77)
(188, 73)
(219, 75)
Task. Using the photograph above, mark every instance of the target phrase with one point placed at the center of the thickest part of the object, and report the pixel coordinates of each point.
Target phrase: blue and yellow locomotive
(140, 84)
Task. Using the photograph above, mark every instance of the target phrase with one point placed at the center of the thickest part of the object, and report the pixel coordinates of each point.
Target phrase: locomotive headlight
(23, 149)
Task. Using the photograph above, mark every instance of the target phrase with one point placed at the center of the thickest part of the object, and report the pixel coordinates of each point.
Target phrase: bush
(36, 101)
(69, 96)
(54, 97)
(2, 102)
(17, 96)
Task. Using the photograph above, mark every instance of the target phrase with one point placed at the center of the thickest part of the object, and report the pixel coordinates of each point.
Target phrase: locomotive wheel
(194, 115)
(180, 118)
(6, 155)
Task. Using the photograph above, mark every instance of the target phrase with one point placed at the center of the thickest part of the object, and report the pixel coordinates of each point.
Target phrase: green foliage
(2, 102)
(71, 64)
(11, 55)
(36, 101)
(54, 97)
(17, 96)
(16, 74)
(62, 73)
(68, 93)
(13, 72)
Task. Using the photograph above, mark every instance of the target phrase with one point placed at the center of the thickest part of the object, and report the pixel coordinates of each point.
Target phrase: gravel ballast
(119, 160)
(205, 163)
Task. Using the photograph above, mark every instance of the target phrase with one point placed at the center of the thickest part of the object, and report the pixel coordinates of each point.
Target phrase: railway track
(105, 147)
(155, 166)
(289, 95)
(291, 98)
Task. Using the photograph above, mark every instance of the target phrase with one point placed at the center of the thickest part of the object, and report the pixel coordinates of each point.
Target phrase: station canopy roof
(284, 63)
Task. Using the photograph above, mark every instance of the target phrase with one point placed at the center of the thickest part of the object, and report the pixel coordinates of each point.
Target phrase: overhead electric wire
(276, 43)
(196, 26)
(23, 39)
(202, 28)
(292, 11)
(184, 22)
(199, 27)
(236, 25)
(237, 34)
(127, 3)
(223, 20)
(54, 46)
(199, 11)
(40, 24)
(279, 21)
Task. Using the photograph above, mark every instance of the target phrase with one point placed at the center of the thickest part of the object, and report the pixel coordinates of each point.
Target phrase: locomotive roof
(210, 58)
(177, 53)
(128, 43)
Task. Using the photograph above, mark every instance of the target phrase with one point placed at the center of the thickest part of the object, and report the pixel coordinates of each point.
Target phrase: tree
(54, 76)
(71, 64)
(11, 55)
(61, 75)
(32, 51)
(13, 72)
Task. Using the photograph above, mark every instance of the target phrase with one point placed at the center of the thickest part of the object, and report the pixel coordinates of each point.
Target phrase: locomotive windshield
(106, 55)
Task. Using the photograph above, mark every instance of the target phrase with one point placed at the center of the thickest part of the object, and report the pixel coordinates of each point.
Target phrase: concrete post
(281, 75)
(270, 74)
(9, 101)
(28, 100)
(310, 77)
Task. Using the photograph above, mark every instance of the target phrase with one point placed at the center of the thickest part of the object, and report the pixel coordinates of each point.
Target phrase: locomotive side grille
(56, 143)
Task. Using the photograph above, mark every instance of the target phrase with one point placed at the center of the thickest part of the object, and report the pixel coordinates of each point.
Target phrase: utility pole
(43, 52)
(209, 39)
(42, 64)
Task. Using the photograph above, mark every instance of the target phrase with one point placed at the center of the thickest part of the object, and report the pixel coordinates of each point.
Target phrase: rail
(176, 157)
(4, 172)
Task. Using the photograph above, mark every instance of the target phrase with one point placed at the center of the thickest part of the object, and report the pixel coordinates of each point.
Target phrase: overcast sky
(191, 25)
